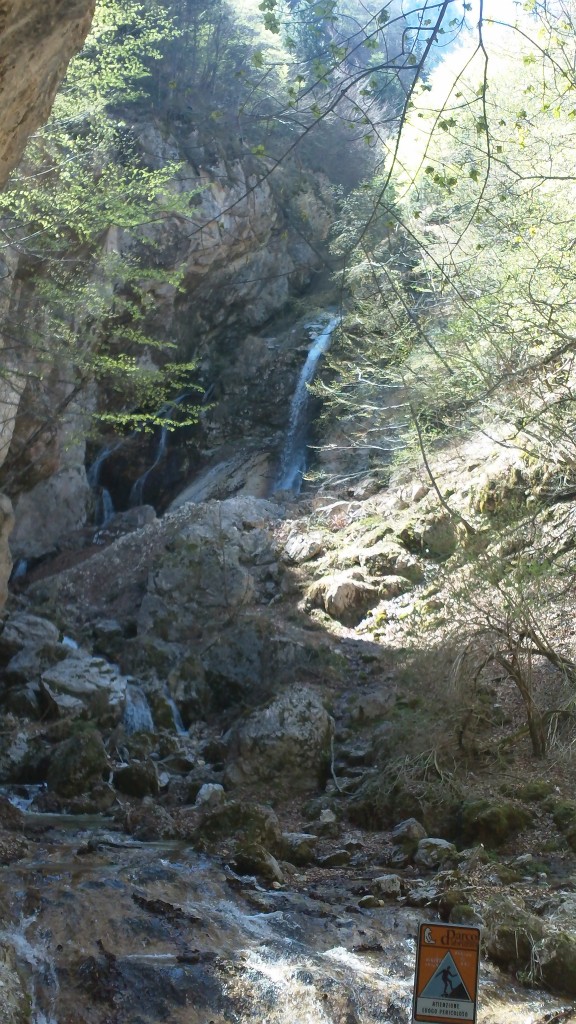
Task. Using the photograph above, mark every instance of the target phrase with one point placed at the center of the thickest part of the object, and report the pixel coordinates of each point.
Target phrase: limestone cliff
(250, 245)
(36, 42)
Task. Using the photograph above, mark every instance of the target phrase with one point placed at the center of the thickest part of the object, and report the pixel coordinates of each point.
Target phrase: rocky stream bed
(198, 820)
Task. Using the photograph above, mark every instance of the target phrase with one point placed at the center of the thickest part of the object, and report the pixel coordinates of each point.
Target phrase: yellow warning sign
(446, 985)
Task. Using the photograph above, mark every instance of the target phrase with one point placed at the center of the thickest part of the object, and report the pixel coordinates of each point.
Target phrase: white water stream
(294, 455)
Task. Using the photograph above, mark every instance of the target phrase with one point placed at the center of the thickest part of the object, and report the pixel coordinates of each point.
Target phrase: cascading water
(104, 506)
(165, 416)
(37, 965)
(294, 455)
(179, 726)
(137, 713)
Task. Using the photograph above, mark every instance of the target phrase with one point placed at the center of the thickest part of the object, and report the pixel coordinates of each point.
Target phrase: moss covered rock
(250, 822)
(492, 821)
(77, 764)
(557, 959)
(433, 536)
(511, 932)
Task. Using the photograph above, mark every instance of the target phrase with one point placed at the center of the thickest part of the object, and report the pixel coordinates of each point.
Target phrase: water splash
(294, 455)
(37, 965)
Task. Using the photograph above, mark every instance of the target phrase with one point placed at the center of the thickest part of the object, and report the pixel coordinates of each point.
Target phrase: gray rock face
(25, 630)
(431, 853)
(53, 509)
(81, 675)
(298, 847)
(36, 43)
(286, 744)
(408, 834)
(302, 547)
(387, 885)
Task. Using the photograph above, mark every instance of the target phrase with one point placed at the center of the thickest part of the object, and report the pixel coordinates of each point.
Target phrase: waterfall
(293, 460)
(179, 726)
(104, 505)
(137, 713)
(165, 413)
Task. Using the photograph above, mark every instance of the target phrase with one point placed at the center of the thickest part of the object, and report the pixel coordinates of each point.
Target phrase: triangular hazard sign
(445, 982)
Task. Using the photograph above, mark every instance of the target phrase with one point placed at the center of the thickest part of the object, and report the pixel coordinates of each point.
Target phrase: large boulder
(77, 764)
(345, 596)
(83, 678)
(557, 960)
(22, 630)
(388, 558)
(286, 744)
(511, 932)
(492, 821)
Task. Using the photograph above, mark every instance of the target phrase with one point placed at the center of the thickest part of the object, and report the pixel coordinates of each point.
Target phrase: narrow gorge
(287, 656)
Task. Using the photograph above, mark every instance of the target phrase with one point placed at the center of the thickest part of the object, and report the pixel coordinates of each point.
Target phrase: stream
(110, 930)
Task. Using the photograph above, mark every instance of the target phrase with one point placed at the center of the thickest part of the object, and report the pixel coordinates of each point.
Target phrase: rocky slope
(252, 682)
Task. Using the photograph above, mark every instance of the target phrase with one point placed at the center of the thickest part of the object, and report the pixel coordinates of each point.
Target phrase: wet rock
(511, 932)
(432, 853)
(148, 822)
(139, 779)
(77, 764)
(286, 745)
(101, 799)
(422, 894)
(60, 705)
(369, 901)
(24, 701)
(254, 859)
(492, 821)
(299, 847)
(11, 818)
(15, 1001)
(12, 847)
(327, 824)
